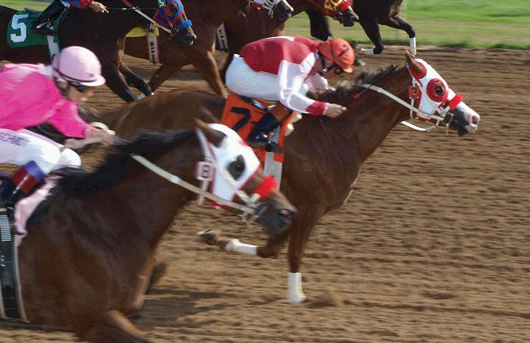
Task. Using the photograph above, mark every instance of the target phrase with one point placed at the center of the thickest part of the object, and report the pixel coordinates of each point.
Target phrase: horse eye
(237, 167)
(439, 90)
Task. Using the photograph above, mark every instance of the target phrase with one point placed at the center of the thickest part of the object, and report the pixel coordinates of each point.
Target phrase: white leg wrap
(366, 51)
(236, 246)
(295, 294)
(412, 43)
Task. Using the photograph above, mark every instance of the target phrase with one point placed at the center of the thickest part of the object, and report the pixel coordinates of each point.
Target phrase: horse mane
(347, 89)
(76, 183)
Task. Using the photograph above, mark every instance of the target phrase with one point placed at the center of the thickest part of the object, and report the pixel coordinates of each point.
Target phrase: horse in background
(207, 16)
(376, 103)
(89, 253)
(372, 13)
(97, 32)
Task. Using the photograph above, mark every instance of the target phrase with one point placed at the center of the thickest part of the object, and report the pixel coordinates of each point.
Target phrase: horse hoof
(209, 236)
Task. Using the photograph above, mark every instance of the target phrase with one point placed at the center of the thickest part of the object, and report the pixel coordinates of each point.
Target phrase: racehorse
(88, 255)
(97, 32)
(372, 13)
(323, 156)
(207, 16)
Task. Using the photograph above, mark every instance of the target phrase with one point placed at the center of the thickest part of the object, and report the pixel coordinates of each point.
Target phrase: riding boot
(21, 183)
(47, 17)
(259, 137)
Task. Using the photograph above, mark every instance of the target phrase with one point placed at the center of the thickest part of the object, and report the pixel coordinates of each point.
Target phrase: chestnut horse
(88, 255)
(375, 104)
(207, 16)
(97, 32)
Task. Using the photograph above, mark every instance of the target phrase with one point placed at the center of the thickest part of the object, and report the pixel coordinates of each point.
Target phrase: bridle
(269, 5)
(440, 114)
(172, 30)
(252, 207)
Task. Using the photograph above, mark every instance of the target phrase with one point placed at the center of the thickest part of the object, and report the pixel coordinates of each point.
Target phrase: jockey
(280, 69)
(48, 16)
(32, 94)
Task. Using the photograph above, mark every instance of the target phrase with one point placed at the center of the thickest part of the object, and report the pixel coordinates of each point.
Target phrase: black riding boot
(21, 183)
(259, 137)
(47, 17)
(8, 192)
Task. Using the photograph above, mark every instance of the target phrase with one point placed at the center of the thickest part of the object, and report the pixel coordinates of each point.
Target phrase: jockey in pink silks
(281, 69)
(52, 12)
(32, 94)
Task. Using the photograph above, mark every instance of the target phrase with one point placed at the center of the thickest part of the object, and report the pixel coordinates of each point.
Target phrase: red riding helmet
(340, 52)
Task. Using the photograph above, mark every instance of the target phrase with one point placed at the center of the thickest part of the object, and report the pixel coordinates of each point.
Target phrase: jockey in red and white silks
(281, 69)
(32, 94)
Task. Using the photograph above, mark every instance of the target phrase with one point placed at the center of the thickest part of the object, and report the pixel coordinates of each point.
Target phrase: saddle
(242, 113)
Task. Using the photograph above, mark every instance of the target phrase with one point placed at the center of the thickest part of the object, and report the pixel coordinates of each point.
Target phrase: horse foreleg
(303, 223)
(134, 81)
(162, 74)
(319, 25)
(271, 249)
(116, 83)
(210, 72)
(113, 327)
(371, 28)
(397, 23)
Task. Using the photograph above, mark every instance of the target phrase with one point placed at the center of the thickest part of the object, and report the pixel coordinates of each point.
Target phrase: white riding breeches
(23, 146)
(242, 80)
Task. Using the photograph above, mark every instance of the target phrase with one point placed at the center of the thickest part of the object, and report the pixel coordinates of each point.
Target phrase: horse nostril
(474, 120)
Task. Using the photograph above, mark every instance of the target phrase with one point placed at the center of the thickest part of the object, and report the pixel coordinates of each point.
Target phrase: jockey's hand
(334, 110)
(98, 7)
(105, 137)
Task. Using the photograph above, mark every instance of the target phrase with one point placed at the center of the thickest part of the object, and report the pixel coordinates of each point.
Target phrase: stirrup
(269, 146)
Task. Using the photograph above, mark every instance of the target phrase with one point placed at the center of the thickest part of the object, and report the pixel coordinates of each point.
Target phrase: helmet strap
(323, 61)
(64, 91)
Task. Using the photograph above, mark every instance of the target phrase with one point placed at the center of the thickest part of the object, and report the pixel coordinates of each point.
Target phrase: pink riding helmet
(78, 65)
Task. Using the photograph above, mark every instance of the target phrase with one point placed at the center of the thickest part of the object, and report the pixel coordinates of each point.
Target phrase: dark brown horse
(97, 32)
(372, 13)
(323, 157)
(207, 16)
(89, 252)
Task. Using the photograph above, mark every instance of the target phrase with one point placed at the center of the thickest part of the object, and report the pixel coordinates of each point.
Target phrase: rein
(138, 10)
(249, 209)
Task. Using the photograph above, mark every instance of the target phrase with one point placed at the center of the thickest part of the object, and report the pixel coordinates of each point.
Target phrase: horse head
(437, 102)
(237, 176)
(341, 11)
(172, 15)
(279, 9)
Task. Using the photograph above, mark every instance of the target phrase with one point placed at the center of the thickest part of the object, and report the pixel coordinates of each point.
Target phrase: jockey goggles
(82, 88)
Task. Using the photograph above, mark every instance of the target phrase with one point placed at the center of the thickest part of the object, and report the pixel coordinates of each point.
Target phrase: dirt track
(433, 246)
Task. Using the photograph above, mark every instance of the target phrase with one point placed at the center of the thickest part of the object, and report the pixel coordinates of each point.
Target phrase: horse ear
(213, 136)
(416, 67)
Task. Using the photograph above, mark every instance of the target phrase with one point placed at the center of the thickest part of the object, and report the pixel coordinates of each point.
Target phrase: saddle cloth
(242, 113)
(19, 30)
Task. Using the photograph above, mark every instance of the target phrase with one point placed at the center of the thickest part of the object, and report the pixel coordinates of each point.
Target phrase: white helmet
(79, 66)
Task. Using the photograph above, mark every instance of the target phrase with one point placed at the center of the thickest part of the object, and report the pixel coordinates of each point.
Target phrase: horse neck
(370, 118)
(153, 202)
(214, 11)
(120, 22)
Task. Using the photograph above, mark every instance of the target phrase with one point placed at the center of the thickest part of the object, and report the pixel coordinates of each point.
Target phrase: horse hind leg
(113, 327)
